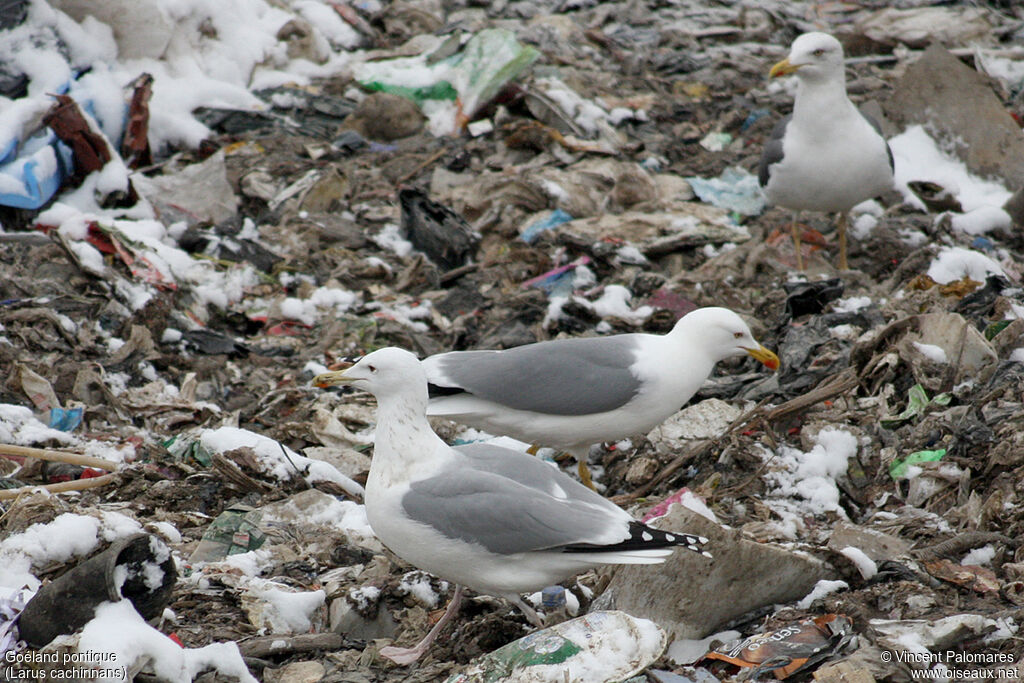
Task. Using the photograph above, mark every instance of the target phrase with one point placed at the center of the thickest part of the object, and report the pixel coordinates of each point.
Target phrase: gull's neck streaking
(403, 441)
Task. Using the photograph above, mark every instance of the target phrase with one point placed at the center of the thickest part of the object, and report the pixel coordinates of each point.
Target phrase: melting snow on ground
(821, 589)
(66, 538)
(919, 157)
(345, 515)
(123, 638)
(276, 459)
(804, 483)
(284, 610)
(865, 565)
(932, 352)
(955, 263)
(20, 427)
(851, 304)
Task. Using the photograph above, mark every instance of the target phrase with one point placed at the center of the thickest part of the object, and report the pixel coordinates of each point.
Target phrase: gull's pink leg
(408, 655)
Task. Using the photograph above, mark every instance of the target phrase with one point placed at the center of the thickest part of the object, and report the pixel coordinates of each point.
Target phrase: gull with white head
(573, 393)
(494, 519)
(827, 155)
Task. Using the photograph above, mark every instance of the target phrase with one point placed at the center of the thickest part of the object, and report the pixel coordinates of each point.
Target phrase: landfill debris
(877, 545)
(468, 79)
(789, 650)
(922, 26)
(90, 151)
(554, 159)
(197, 193)
(917, 402)
(901, 466)
(437, 231)
(782, 576)
(384, 116)
(138, 569)
(811, 297)
(533, 230)
(973, 577)
(236, 530)
(735, 189)
(580, 648)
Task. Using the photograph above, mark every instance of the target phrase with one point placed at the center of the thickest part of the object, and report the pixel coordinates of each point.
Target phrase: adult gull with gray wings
(494, 519)
(826, 156)
(572, 393)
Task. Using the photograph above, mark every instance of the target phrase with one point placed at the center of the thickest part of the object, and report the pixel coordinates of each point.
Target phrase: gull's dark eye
(371, 368)
(819, 52)
(737, 335)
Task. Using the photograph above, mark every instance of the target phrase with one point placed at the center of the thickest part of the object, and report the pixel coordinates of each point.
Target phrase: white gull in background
(572, 393)
(496, 520)
(827, 155)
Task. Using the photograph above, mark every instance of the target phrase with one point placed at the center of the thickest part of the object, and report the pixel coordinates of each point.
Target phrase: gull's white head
(723, 334)
(812, 57)
(384, 373)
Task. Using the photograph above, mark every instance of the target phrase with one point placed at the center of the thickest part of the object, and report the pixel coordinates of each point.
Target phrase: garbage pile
(202, 208)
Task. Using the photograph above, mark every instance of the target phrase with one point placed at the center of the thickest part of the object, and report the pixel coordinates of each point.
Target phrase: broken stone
(692, 596)
(348, 621)
(956, 102)
(875, 544)
(309, 671)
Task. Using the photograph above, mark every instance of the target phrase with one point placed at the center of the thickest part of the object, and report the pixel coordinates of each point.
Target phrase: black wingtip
(643, 537)
(436, 391)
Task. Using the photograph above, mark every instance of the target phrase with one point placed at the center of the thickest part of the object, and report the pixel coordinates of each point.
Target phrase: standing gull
(496, 520)
(572, 393)
(827, 155)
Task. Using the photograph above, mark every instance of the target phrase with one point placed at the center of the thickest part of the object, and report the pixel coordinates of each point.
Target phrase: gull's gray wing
(509, 502)
(772, 153)
(560, 377)
(878, 129)
(532, 472)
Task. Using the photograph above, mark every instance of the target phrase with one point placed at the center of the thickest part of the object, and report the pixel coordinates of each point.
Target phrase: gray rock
(958, 104)
(308, 671)
(691, 596)
(347, 621)
(875, 544)
(1015, 207)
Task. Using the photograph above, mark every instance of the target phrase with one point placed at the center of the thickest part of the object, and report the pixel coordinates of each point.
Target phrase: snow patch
(955, 263)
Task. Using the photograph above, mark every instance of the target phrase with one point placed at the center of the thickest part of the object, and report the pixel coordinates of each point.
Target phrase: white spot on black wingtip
(706, 554)
(647, 537)
(702, 539)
